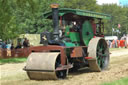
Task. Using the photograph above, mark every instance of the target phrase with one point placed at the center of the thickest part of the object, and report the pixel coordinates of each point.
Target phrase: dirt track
(12, 74)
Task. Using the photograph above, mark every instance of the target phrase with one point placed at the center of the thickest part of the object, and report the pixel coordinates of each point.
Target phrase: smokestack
(55, 16)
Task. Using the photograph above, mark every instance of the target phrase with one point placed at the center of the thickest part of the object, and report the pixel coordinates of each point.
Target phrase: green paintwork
(87, 32)
(63, 11)
(74, 36)
(67, 31)
(69, 44)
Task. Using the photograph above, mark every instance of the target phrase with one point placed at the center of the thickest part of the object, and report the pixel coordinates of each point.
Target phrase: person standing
(8, 47)
(12, 46)
(26, 43)
(19, 46)
(127, 40)
(4, 45)
(0, 52)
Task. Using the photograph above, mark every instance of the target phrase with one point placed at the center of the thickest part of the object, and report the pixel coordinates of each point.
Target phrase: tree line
(25, 16)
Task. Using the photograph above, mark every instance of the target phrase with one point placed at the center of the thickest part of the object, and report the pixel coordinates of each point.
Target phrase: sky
(100, 2)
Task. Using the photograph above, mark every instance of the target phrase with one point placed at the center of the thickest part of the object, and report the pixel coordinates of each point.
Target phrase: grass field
(123, 81)
(114, 49)
(12, 60)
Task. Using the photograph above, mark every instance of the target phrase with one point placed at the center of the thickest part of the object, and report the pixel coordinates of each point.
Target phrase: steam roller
(77, 41)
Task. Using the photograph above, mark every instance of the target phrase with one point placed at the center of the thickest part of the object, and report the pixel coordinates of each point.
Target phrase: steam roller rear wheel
(41, 66)
(99, 51)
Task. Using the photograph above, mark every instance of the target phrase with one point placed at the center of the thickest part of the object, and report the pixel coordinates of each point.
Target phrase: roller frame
(49, 48)
(38, 70)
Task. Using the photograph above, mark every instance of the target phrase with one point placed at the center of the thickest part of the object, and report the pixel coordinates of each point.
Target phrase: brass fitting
(54, 5)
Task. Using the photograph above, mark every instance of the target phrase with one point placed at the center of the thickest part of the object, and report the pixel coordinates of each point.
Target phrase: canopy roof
(84, 13)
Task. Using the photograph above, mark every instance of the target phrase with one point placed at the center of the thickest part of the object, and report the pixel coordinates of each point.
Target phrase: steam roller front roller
(41, 66)
(99, 51)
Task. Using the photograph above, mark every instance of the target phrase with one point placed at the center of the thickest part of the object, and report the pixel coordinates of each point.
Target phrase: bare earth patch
(12, 74)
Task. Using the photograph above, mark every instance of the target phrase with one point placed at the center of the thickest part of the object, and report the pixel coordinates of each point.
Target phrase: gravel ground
(12, 74)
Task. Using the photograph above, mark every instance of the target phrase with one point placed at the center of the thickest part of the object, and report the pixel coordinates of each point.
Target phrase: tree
(119, 16)
(34, 22)
(8, 25)
(82, 4)
(25, 16)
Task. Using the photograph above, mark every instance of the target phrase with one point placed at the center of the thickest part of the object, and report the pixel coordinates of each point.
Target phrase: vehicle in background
(111, 38)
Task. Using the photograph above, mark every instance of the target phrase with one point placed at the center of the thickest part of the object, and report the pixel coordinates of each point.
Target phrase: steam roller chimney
(55, 16)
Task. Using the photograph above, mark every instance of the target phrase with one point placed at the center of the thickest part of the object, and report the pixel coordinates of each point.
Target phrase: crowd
(122, 43)
(25, 44)
(9, 47)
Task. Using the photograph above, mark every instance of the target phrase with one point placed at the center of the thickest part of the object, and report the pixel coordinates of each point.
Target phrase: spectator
(0, 44)
(18, 46)
(4, 44)
(0, 52)
(113, 43)
(8, 46)
(12, 46)
(122, 43)
(109, 43)
(26, 43)
(125, 42)
(118, 43)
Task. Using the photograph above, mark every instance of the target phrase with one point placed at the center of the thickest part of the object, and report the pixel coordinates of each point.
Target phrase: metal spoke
(101, 54)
